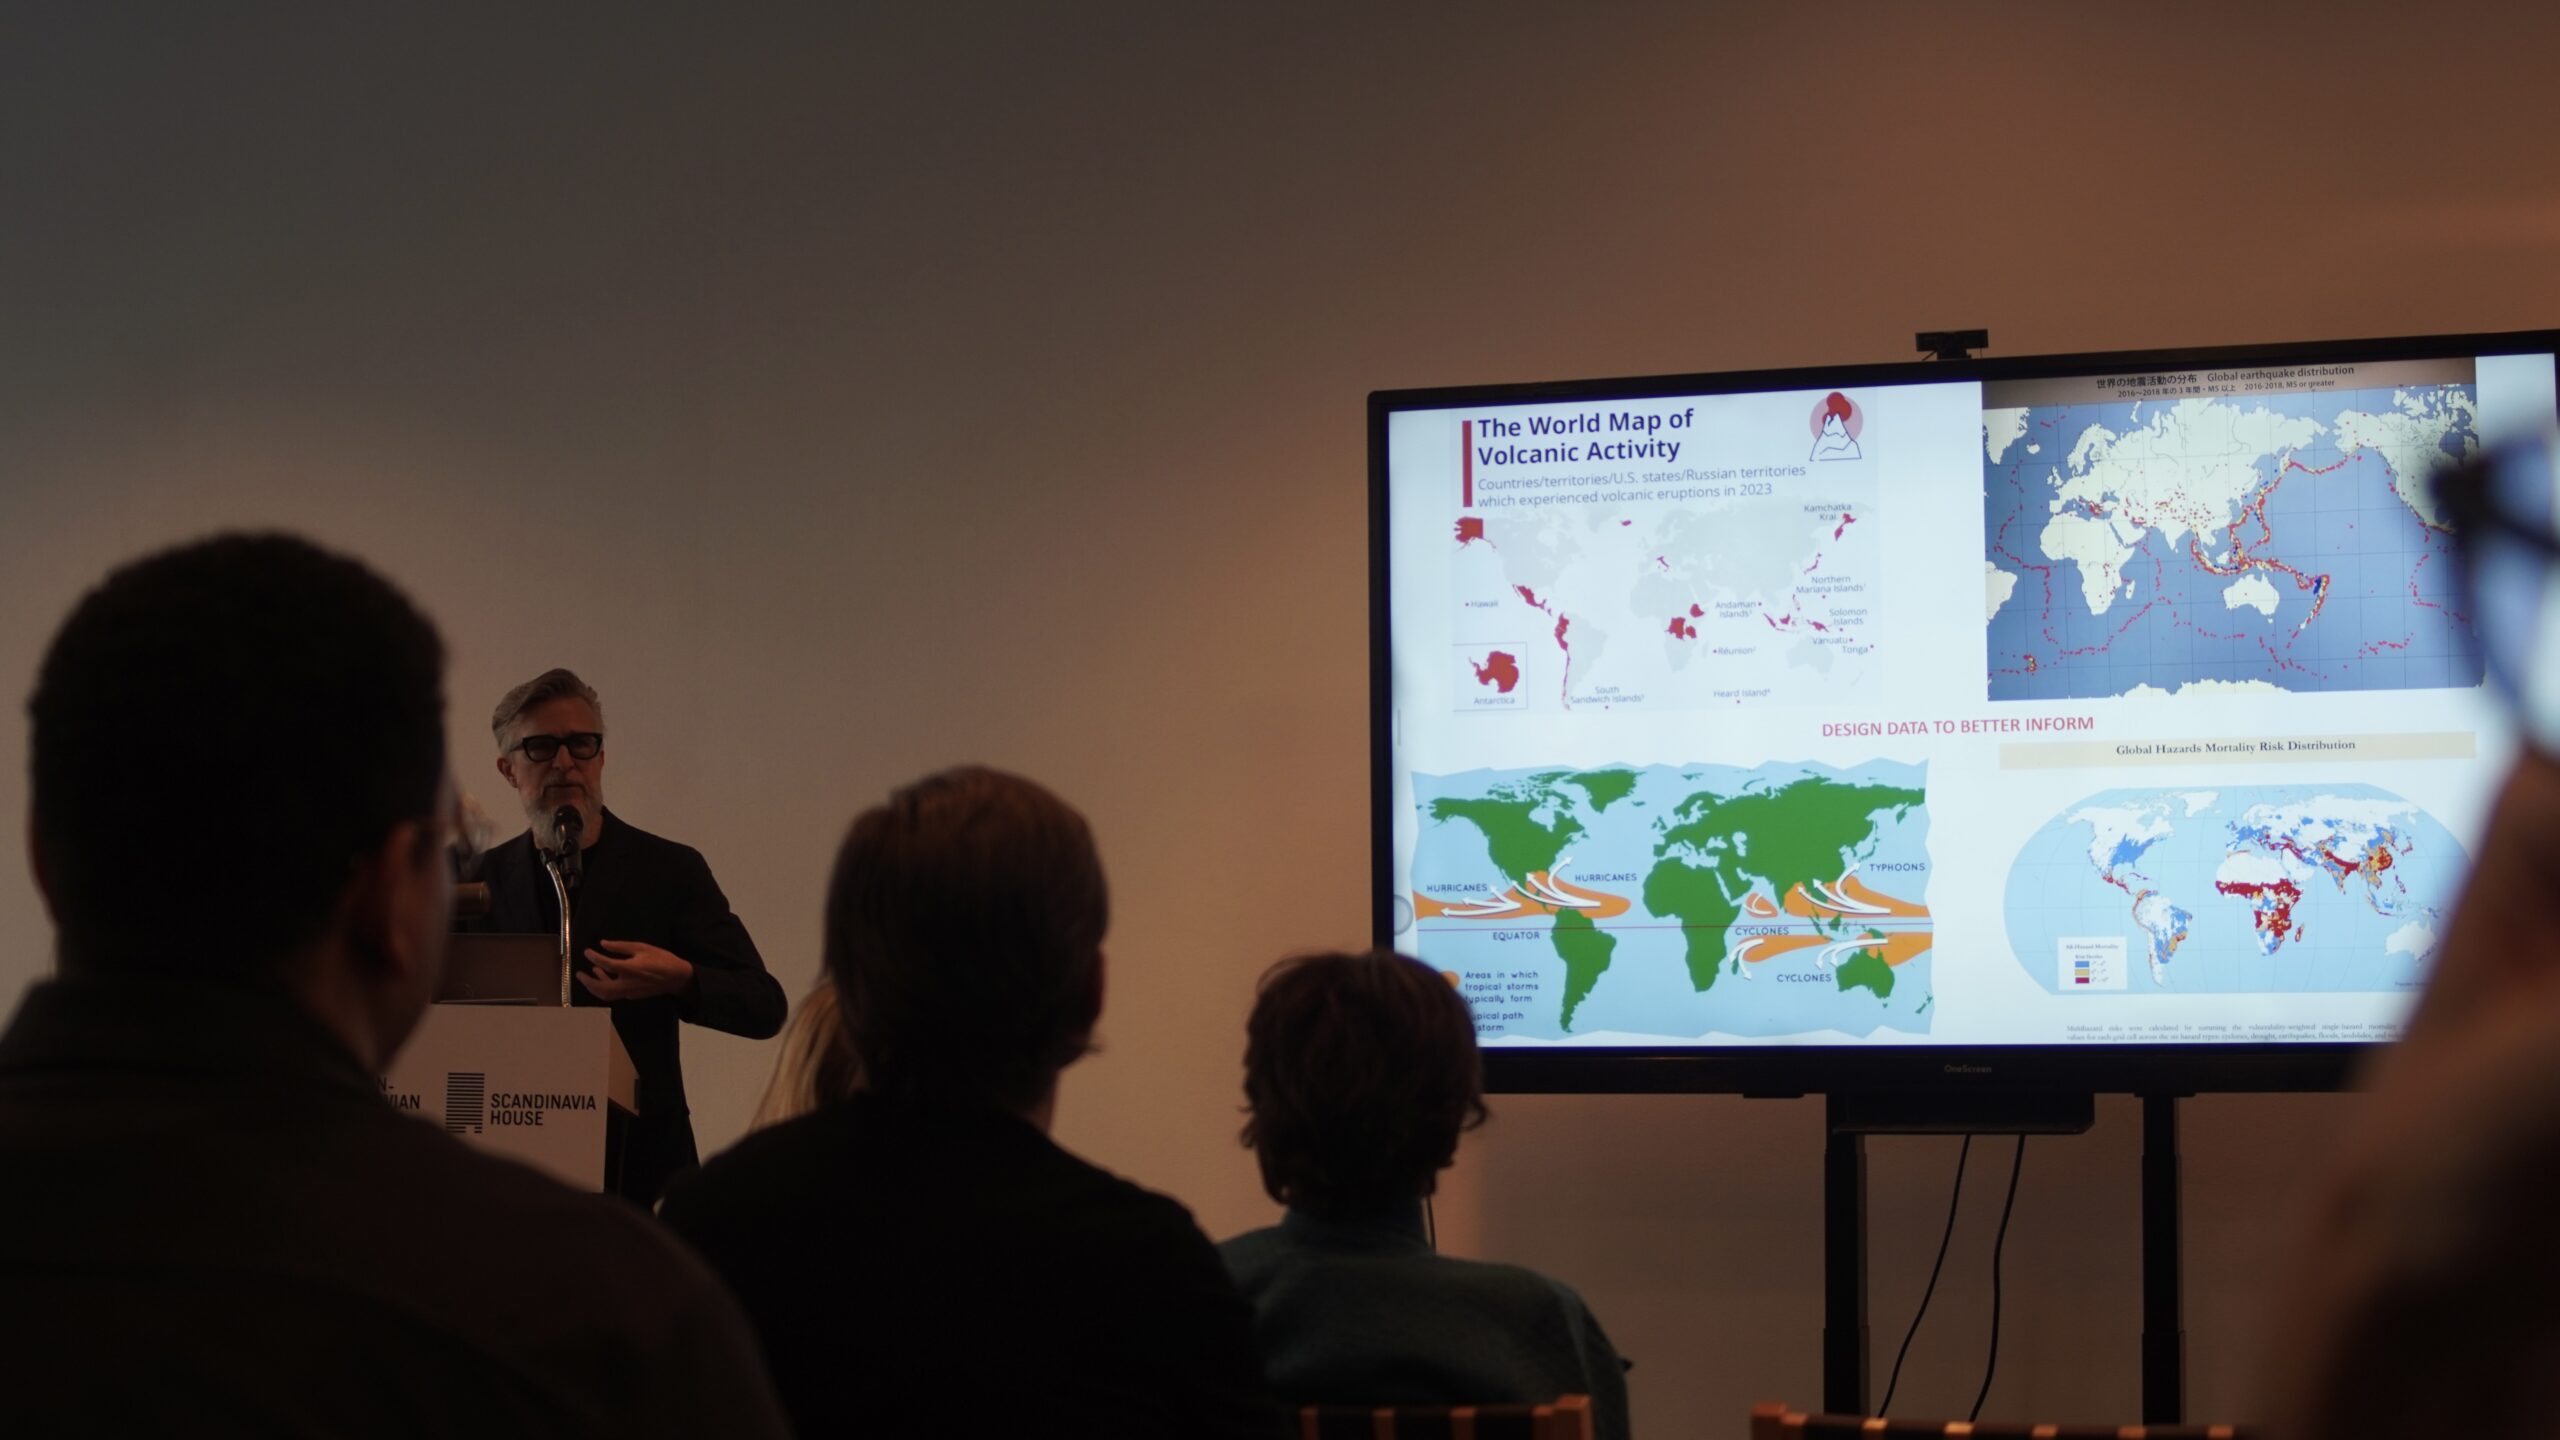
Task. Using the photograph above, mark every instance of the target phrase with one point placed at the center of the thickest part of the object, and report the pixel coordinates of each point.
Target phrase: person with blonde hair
(816, 1064)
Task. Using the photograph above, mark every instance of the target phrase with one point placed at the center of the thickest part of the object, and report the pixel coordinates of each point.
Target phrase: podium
(535, 1083)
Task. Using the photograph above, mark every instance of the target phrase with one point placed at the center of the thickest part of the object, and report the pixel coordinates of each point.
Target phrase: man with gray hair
(650, 932)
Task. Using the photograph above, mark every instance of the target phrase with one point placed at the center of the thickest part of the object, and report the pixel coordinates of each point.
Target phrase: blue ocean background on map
(2376, 630)
(1647, 988)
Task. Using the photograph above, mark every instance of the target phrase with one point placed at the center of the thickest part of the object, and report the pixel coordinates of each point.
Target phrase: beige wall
(848, 396)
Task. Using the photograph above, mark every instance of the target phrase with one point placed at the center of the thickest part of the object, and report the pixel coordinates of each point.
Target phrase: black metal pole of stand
(2164, 1335)
(1846, 1119)
(1844, 1266)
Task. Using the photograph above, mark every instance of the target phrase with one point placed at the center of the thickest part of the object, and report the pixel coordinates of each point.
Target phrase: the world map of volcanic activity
(2286, 542)
(1679, 901)
(2233, 889)
(1764, 598)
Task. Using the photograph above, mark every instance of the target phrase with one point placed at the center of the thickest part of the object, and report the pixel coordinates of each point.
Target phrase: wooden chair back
(1777, 1422)
(1568, 1418)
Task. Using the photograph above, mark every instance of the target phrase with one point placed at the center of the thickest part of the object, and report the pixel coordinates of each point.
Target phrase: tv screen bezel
(1788, 1070)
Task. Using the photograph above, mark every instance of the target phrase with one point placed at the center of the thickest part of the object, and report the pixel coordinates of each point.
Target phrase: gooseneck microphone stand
(562, 866)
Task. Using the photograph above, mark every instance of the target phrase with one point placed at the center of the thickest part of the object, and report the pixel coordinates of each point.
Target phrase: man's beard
(540, 811)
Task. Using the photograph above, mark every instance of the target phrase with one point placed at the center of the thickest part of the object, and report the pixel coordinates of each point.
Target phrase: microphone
(567, 824)
(562, 863)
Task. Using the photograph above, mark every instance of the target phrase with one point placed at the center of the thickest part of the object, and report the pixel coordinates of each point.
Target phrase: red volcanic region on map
(1501, 670)
(1471, 527)
(1563, 624)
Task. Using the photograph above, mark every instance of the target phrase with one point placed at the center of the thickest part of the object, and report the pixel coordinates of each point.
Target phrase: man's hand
(629, 970)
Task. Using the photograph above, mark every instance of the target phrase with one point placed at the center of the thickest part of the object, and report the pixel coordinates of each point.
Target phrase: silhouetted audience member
(1360, 1073)
(2428, 1295)
(212, 1221)
(921, 1258)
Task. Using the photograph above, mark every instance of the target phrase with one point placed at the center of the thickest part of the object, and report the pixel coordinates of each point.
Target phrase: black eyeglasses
(582, 745)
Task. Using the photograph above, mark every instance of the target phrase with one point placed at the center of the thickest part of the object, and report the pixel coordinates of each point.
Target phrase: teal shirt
(1361, 1312)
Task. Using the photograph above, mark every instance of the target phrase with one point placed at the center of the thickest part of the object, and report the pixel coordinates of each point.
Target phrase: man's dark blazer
(636, 886)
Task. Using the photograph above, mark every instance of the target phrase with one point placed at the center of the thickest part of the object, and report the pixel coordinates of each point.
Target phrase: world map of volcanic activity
(2256, 888)
(1758, 598)
(1679, 900)
(2281, 542)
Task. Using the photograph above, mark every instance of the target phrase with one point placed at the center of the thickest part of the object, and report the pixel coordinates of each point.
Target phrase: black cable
(1991, 1365)
(1931, 1289)
(1430, 1225)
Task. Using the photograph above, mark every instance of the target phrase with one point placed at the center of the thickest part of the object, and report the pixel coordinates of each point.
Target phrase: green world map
(1708, 868)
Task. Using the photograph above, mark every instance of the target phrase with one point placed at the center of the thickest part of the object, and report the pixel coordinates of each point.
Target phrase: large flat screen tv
(2108, 721)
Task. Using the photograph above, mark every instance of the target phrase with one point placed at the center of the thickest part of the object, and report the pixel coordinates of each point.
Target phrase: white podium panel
(528, 1082)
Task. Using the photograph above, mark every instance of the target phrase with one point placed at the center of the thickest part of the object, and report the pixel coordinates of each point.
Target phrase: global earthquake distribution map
(1679, 900)
(2251, 888)
(2275, 542)
(1753, 599)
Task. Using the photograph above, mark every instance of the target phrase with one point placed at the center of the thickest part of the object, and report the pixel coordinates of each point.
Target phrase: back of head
(1360, 1072)
(218, 732)
(964, 935)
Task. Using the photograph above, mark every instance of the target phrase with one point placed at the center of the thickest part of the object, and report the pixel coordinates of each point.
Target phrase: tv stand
(1922, 1113)
(1850, 1119)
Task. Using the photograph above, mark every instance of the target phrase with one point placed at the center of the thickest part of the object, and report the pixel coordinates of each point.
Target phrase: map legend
(2089, 962)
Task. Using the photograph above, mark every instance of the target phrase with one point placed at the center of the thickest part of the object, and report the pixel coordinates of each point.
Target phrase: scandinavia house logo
(466, 1101)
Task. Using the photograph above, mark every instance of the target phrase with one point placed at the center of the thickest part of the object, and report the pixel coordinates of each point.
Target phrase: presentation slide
(2123, 709)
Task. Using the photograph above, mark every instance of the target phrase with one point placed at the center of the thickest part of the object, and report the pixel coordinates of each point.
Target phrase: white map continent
(2258, 869)
(2148, 691)
(1998, 586)
(2111, 826)
(2000, 430)
(2252, 591)
(2410, 439)
(2416, 939)
(2332, 825)
(2187, 472)
(1535, 548)
(1747, 552)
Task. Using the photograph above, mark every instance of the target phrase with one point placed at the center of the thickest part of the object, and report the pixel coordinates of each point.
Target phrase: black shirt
(213, 1223)
(637, 886)
(916, 1270)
